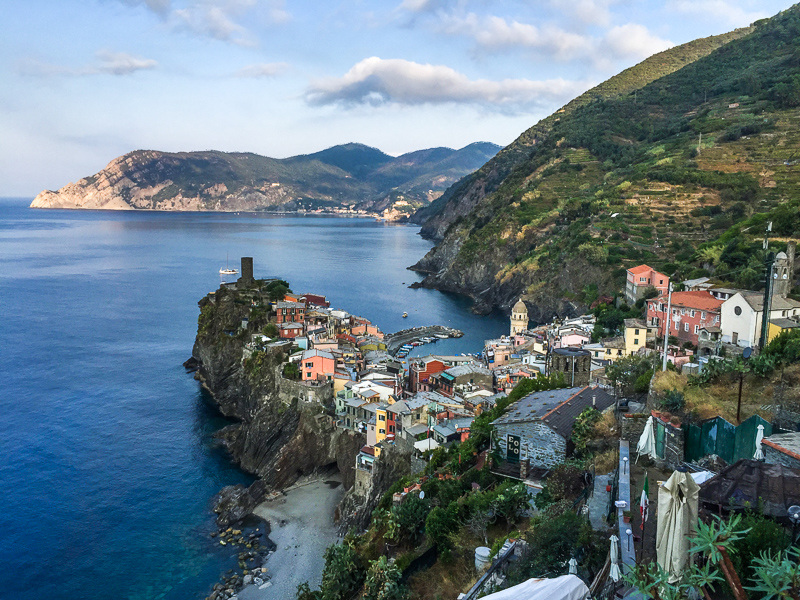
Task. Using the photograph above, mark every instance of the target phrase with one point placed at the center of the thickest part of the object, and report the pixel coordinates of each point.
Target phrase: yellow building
(636, 335)
(381, 423)
(778, 326)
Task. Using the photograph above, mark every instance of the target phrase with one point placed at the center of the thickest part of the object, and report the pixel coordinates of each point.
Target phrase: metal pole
(739, 404)
(767, 302)
(666, 329)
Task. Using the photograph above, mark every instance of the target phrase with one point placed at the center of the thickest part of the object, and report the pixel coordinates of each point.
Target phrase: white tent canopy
(647, 442)
(701, 477)
(759, 455)
(677, 519)
(426, 444)
(566, 587)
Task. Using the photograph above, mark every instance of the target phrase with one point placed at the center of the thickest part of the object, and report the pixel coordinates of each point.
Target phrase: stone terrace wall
(632, 426)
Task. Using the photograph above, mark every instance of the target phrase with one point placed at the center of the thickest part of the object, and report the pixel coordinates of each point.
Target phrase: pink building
(317, 365)
(642, 277)
(691, 311)
(366, 329)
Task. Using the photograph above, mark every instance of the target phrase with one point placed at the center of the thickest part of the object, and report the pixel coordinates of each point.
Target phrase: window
(683, 311)
(737, 310)
(661, 307)
(635, 332)
(635, 341)
(677, 326)
(642, 279)
(703, 315)
(308, 374)
(381, 431)
(691, 313)
(381, 417)
(391, 428)
(686, 327)
(697, 328)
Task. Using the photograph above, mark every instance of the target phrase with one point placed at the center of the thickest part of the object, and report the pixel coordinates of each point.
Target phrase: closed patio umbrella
(647, 441)
(573, 566)
(759, 455)
(677, 519)
(614, 572)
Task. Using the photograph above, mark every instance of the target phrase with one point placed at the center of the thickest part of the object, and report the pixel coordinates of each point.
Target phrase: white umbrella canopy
(759, 455)
(647, 441)
(614, 572)
(566, 587)
(677, 518)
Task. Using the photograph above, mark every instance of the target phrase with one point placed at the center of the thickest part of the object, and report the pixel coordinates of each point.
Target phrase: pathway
(598, 503)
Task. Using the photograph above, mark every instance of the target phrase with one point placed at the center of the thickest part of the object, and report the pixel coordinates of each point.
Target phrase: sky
(84, 81)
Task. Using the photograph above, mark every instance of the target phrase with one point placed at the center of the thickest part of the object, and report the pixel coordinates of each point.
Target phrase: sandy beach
(302, 528)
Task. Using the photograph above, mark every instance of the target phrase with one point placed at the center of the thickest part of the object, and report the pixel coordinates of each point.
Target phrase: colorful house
(642, 277)
(317, 365)
(290, 330)
(290, 312)
(690, 312)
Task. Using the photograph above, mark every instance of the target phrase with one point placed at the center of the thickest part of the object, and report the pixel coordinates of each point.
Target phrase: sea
(108, 461)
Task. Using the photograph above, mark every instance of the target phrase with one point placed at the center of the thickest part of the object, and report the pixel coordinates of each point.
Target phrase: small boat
(405, 314)
(227, 270)
(442, 336)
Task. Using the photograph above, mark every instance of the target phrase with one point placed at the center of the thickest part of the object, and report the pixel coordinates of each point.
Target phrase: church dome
(520, 307)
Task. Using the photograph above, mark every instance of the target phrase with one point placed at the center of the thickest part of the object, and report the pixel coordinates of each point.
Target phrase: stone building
(538, 427)
(783, 271)
(576, 365)
(519, 318)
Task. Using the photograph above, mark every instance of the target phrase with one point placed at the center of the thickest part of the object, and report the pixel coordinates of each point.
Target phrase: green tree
(343, 573)
(441, 522)
(383, 581)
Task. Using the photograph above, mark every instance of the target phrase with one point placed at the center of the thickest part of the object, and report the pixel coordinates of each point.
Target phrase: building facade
(642, 277)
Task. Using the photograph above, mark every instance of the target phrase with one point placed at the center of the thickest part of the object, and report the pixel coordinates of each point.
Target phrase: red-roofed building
(290, 312)
(642, 277)
(316, 300)
(691, 311)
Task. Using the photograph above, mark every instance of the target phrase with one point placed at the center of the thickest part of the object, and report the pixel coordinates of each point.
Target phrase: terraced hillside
(681, 173)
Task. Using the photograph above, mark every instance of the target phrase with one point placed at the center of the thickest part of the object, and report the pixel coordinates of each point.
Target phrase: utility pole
(666, 329)
(767, 302)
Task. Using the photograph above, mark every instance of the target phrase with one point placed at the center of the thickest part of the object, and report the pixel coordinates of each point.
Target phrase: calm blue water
(108, 465)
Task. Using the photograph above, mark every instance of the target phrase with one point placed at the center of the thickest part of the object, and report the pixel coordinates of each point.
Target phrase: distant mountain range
(349, 176)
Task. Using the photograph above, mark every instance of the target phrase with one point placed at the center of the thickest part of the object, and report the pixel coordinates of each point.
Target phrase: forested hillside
(680, 173)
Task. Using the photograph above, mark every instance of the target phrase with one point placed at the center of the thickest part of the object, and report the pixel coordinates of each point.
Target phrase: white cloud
(160, 7)
(262, 70)
(109, 63)
(496, 33)
(632, 41)
(379, 81)
(590, 12)
(723, 10)
(223, 20)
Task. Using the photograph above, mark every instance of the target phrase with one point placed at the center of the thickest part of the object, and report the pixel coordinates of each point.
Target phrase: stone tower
(783, 272)
(519, 317)
(576, 365)
(247, 271)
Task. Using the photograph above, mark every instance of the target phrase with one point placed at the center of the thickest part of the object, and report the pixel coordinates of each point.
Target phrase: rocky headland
(283, 430)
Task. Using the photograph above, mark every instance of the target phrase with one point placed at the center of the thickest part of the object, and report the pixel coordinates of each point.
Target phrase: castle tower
(247, 271)
(519, 317)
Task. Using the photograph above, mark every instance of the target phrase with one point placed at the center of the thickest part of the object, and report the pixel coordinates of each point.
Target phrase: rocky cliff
(339, 177)
(283, 429)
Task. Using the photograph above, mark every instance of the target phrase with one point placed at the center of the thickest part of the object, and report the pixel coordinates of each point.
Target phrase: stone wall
(542, 446)
(305, 392)
(632, 426)
(673, 446)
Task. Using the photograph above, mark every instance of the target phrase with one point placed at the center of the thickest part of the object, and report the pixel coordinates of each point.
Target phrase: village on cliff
(412, 405)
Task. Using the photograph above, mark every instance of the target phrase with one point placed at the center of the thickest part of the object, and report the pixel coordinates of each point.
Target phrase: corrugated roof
(562, 418)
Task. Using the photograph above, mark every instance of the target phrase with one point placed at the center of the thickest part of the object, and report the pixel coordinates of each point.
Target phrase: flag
(643, 503)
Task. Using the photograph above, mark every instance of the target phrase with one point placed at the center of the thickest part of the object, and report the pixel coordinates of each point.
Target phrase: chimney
(594, 400)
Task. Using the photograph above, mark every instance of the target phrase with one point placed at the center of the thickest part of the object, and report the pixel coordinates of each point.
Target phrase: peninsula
(350, 179)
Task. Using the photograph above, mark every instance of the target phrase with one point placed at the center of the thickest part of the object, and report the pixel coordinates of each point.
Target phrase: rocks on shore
(251, 558)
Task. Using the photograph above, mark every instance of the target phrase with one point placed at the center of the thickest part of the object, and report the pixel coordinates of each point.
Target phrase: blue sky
(84, 81)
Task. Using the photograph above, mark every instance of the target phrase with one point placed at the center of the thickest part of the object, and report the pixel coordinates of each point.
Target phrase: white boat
(227, 270)
(405, 314)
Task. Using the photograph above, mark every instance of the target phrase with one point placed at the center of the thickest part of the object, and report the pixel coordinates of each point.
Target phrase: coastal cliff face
(281, 433)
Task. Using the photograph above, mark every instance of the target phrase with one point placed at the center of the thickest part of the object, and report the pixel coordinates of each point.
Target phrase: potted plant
(626, 516)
